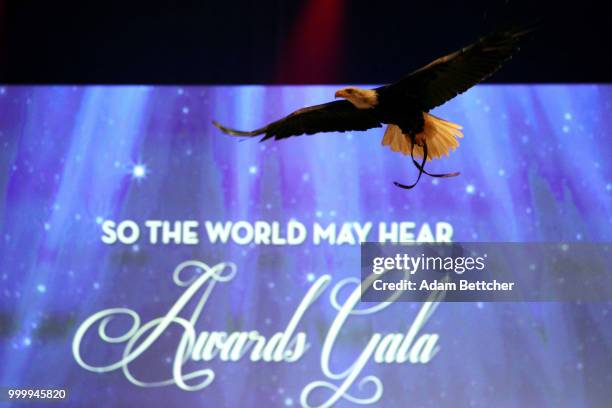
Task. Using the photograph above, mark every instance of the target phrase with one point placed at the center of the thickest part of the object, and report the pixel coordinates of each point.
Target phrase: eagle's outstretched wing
(455, 73)
(338, 116)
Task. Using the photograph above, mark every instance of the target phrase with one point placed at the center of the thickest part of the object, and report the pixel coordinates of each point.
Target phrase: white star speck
(139, 171)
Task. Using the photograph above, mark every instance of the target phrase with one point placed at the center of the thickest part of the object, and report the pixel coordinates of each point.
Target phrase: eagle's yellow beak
(340, 94)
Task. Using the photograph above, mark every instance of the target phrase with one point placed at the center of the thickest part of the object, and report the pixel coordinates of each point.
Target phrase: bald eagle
(404, 105)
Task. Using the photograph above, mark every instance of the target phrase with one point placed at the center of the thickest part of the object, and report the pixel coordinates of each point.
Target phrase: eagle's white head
(361, 98)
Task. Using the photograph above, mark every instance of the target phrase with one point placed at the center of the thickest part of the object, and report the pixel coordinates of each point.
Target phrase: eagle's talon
(420, 139)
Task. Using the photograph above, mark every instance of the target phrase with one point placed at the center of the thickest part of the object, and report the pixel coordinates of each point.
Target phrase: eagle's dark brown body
(397, 109)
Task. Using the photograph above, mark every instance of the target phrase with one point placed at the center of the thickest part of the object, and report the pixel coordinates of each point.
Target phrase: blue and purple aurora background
(535, 164)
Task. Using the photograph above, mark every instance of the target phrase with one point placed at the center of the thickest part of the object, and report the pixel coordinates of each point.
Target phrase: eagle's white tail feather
(440, 135)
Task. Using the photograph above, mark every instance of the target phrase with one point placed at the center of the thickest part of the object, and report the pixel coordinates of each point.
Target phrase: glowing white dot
(288, 401)
(501, 172)
(99, 220)
(41, 288)
(567, 116)
(305, 177)
(185, 110)
(470, 189)
(566, 129)
(139, 171)
(180, 91)
(77, 216)
(47, 226)
(310, 277)
(253, 169)
(319, 214)
(96, 285)
(27, 341)
(609, 186)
